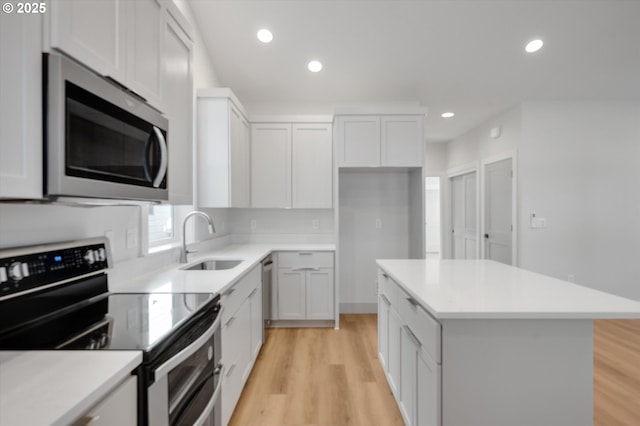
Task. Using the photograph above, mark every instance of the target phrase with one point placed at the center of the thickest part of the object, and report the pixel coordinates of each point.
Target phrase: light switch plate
(132, 238)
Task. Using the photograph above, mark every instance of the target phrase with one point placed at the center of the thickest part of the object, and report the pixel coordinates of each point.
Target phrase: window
(161, 227)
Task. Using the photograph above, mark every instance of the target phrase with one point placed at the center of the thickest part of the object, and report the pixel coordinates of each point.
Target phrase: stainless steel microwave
(101, 141)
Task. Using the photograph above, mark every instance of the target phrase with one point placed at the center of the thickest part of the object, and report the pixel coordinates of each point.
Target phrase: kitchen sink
(213, 265)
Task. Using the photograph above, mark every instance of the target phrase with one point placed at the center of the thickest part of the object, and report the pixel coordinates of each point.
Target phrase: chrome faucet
(212, 229)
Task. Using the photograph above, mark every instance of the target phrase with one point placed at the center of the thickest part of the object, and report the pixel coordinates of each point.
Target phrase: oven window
(191, 385)
(108, 143)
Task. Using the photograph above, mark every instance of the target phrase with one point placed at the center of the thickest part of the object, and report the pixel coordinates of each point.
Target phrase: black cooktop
(119, 321)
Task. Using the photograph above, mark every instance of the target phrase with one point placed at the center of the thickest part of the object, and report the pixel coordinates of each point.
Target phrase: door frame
(513, 155)
(443, 182)
(447, 242)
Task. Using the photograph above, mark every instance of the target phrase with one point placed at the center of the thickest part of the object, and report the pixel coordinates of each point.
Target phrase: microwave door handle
(147, 166)
(163, 158)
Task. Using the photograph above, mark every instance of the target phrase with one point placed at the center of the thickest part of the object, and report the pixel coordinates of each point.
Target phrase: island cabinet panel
(409, 346)
(120, 407)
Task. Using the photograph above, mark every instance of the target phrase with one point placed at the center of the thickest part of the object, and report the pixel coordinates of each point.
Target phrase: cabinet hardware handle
(412, 301)
(228, 292)
(385, 275)
(385, 299)
(230, 321)
(412, 336)
(253, 292)
(90, 420)
(305, 253)
(230, 370)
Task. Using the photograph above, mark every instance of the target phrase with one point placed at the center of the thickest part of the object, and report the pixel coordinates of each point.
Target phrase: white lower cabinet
(241, 336)
(120, 407)
(414, 376)
(305, 286)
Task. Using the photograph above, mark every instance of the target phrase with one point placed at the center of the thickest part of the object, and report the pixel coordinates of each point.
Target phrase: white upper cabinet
(379, 140)
(358, 140)
(223, 150)
(119, 39)
(177, 82)
(21, 106)
(144, 51)
(312, 169)
(401, 142)
(271, 165)
(93, 32)
(291, 165)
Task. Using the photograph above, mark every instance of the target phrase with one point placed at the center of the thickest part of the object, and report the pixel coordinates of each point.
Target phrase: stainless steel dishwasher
(267, 268)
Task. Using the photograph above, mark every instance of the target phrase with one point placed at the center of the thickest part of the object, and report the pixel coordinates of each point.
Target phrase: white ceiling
(464, 56)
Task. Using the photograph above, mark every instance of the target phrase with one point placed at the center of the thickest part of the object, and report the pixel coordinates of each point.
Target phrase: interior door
(498, 211)
(463, 219)
(432, 216)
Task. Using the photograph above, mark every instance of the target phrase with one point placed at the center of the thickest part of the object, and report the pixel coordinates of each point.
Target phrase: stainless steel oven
(187, 387)
(101, 140)
(56, 296)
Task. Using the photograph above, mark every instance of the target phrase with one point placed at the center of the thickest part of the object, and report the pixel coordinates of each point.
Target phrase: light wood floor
(328, 377)
(616, 372)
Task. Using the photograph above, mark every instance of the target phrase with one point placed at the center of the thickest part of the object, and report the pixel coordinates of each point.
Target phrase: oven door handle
(165, 368)
(206, 413)
(164, 161)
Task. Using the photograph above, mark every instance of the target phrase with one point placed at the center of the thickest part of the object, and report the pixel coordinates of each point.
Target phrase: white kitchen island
(476, 342)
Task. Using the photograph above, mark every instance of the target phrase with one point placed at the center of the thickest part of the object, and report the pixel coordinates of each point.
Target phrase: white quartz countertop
(56, 387)
(174, 279)
(475, 289)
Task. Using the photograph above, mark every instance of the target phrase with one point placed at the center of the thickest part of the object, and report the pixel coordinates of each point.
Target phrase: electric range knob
(15, 271)
(89, 257)
(101, 255)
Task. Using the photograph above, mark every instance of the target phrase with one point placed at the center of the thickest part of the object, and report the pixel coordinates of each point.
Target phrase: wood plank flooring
(321, 376)
(616, 372)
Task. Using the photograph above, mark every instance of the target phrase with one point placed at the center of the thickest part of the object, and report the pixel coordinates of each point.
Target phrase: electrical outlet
(132, 238)
(315, 224)
(254, 224)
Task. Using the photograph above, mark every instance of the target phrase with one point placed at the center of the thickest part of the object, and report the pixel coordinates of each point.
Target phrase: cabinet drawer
(425, 328)
(387, 288)
(305, 259)
(233, 297)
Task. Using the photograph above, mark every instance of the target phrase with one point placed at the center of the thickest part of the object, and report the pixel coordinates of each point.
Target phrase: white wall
(282, 225)
(435, 158)
(478, 145)
(579, 167)
(366, 196)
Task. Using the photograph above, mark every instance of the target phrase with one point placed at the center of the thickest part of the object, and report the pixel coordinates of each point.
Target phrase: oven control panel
(28, 269)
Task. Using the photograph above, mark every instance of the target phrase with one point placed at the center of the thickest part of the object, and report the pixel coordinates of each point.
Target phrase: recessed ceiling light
(265, 36)
(447, 115)
(314, 66)
(533, 46)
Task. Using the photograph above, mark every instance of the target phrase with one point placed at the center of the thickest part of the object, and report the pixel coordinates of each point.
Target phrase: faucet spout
(210, 225)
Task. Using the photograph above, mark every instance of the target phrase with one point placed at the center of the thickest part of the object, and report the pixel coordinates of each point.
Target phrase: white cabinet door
(144, 52)
(428, 391)
(319, 294)
(393, 374)
(271, 165)
(408, 382)
(291, 294)
(178, 86)
(120, 407)
(358, 141)
(312, 166)
(240, 159)
(402, 141)
(257, 324)
(21, 106)
(93, 32)
(383, 332)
